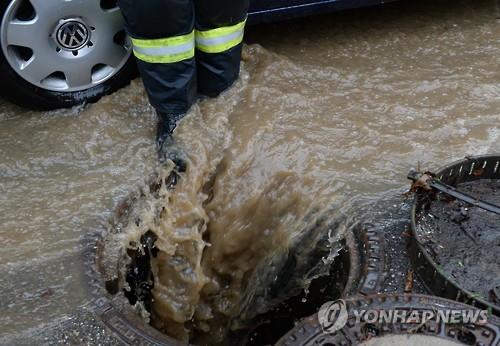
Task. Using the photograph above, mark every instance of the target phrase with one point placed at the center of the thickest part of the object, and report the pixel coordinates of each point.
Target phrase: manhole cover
(376, 329)
(455, 245)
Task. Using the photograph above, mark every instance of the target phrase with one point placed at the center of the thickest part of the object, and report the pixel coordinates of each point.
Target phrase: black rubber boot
(165, 144)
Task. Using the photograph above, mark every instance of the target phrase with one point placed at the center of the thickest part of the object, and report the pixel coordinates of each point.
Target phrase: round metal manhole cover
(396, 319)
(72, 34)
(413, 340)
(453, 246)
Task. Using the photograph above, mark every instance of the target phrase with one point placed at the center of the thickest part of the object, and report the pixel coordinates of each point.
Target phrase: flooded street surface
(62, 173)
(330, 113)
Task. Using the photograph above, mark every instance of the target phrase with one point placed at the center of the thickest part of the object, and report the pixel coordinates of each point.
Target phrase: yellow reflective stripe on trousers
(164, 50)
(220, 39)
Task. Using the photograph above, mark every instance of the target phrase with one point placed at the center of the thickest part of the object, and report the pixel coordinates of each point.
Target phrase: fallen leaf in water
(409, 282)
(47, 293)
(478, 172)
(422, 183)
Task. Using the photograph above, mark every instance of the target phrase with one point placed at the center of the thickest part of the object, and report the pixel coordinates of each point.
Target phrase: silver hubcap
(64, 45)
(72, 34)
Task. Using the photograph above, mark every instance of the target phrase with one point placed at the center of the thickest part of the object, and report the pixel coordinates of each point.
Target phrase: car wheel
(57, 53)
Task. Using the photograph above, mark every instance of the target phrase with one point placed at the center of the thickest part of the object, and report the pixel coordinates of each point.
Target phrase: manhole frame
(309, 331)
(434, 279)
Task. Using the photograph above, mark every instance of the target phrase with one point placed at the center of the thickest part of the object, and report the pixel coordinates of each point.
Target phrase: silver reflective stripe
(165, 50)
(214, 41)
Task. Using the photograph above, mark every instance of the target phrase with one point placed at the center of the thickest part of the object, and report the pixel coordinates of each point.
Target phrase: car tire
(20, 91)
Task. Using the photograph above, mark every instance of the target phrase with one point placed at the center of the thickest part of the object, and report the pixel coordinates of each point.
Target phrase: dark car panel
(262, 5)
(262, 11)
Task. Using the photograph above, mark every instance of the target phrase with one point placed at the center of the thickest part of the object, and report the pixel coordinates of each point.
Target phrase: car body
(40, 70)
(262, 11)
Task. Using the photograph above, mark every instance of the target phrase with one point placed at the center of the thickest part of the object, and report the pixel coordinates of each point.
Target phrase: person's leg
(219, 34)
(162, 33)
(163, 43)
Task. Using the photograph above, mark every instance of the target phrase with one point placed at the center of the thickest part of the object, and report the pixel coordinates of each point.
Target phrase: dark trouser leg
(163, 39)
(219, 33)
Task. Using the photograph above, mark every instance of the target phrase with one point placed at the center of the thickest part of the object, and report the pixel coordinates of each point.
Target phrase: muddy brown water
(329, 114)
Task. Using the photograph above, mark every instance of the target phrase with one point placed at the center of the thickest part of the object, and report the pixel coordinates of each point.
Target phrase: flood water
(330, 113)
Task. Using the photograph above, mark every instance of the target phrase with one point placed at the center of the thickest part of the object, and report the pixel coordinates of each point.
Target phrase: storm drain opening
(139, 275)
(269, 327)
(455, 244)
(277, 322)
(281, 289)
